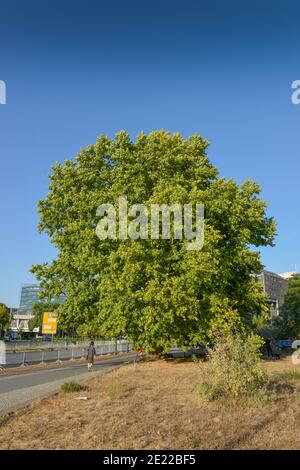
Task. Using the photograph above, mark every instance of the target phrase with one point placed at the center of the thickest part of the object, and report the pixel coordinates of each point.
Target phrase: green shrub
(69, 387)
(261, 397)
(206, 392)
(232, 369)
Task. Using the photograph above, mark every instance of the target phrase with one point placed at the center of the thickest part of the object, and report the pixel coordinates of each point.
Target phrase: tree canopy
(154, 291)
(4, 318)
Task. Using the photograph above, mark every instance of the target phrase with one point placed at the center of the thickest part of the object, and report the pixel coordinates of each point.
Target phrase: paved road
(16, 390)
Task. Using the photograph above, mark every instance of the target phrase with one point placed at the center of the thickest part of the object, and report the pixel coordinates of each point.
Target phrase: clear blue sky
(77, 69)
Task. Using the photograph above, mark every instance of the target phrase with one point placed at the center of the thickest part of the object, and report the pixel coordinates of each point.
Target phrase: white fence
(70, 351)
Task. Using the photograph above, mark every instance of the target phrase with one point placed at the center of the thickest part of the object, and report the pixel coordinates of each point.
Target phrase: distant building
(287, 275)
(19, 322)
(275, 286)
(30, 296)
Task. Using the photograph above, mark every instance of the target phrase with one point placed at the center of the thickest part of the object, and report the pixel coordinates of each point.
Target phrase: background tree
(290, 312)
(5, 318)
(154, 291)
(38, 311)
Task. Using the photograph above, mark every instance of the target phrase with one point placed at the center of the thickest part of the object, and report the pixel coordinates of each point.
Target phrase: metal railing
(69, 352)
(21, 345)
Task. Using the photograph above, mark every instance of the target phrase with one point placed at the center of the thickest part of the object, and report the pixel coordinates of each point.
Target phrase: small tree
(232, 369)
(290, 312)
(4, 318)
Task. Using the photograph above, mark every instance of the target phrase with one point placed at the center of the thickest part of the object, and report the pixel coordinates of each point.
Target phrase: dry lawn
(155, 406)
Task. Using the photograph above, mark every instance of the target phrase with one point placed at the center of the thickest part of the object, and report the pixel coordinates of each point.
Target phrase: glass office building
(30, 296)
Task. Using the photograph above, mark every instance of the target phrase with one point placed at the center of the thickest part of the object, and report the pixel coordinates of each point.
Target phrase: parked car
(284, 343)
(199, 351)
(11, 336)
(47, 338)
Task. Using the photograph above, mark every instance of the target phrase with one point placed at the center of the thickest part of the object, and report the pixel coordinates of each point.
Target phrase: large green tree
(155, 291)
(5, 318)
(289, 319)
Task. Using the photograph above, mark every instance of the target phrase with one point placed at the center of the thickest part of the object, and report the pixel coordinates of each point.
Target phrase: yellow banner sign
(49, 323)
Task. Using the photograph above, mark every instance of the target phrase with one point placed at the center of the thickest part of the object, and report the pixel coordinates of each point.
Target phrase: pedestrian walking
(90, 356)
(139, 356)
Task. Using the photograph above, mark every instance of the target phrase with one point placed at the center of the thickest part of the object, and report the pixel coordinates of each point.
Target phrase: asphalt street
(18, 389)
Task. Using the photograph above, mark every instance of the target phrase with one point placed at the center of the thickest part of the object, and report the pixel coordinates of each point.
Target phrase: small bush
(261, 397)
(233, 370)
(206, 392)
(69, 387)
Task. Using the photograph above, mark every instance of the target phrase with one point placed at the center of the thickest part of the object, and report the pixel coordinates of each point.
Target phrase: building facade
(30, 296)
(22, 315)
(275, 287)
(19, 323)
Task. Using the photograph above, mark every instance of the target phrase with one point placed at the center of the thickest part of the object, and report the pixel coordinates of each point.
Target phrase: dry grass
(155, 406)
